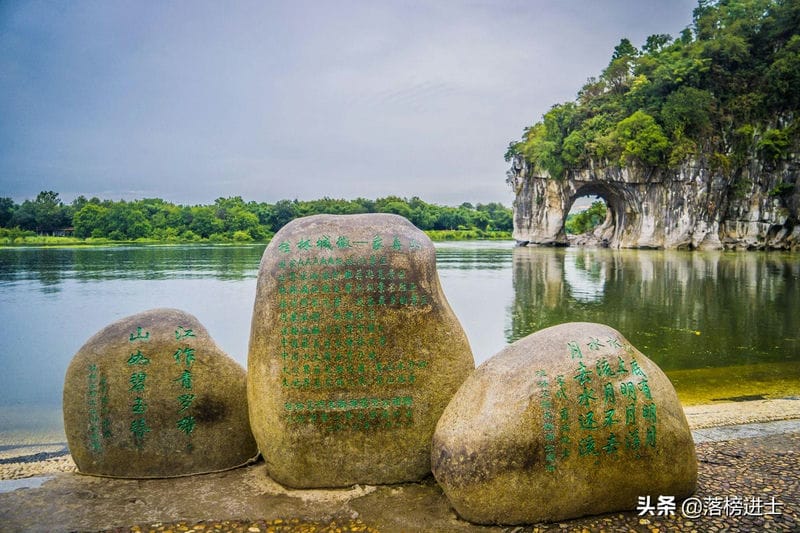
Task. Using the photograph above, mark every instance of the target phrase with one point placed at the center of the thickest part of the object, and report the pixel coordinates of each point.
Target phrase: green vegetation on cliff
(727, 90)
(226, 220)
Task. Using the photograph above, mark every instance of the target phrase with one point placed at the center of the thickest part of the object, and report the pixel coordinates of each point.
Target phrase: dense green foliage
(227, 219)
(726, 90)
(586, 220)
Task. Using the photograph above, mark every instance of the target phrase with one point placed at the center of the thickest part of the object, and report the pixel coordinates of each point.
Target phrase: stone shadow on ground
(752, 469)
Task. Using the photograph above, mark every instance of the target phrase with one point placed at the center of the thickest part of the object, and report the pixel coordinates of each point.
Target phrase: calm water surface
(689, 312)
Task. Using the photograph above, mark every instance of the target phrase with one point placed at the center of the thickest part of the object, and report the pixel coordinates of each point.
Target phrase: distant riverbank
(48, 240)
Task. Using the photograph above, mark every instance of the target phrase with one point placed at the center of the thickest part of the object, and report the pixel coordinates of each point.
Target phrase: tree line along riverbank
(46, 220)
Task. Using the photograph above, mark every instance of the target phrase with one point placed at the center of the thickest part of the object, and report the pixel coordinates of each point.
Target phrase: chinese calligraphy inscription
(573, 416)
(152, 395)
(353, 346)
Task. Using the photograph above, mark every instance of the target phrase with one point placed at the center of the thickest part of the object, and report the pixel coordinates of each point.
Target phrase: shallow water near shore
(723, 325)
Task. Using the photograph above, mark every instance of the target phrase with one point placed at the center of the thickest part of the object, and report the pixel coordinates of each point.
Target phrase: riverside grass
(48, 240)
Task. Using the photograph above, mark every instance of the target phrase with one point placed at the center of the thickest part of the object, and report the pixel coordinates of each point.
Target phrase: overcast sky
(189, 101)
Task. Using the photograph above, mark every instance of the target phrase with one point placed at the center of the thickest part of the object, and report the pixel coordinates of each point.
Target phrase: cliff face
(688, 208)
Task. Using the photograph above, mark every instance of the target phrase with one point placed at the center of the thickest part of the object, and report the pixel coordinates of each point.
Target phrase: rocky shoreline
(748, 449)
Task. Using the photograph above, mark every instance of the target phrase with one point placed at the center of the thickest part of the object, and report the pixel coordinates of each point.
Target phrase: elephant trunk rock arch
(687, 208)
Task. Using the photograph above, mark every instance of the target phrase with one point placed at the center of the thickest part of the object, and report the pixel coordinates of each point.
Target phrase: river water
(723, 325)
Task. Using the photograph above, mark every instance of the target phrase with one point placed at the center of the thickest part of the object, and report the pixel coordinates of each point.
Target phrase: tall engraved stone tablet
(569, 421)
(151, 396)
(354, 352)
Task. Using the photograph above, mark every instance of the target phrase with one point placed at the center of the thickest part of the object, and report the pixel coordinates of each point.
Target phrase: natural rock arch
(542, 206)
(690, 207)
(608, 231)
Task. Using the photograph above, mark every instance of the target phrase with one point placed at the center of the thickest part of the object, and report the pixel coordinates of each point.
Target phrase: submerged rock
(569, 421)
(152, 395)
(354, 352)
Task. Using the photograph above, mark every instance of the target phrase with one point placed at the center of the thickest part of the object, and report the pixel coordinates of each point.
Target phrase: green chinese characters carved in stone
(332, 332)
(548, 420)
(92, 390)
(352, 414)
(184, 357)
(138, 362)
(613, 406)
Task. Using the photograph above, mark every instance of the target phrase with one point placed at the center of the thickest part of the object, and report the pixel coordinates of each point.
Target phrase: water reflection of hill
(746, 306)
(685, 310)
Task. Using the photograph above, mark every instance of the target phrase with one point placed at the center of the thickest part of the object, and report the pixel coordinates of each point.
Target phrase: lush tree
(7, 209)
(783, 78)
(281, 214)
(688, 110)
(775, 144)
(78, 203)
(641, 140)
(233, 218)
(542, 143)
(656, 43)
(396, 206)
(125, 221)
(90, 221)
(44, 214)
(499, 215)
(619, 70)
(24, 216)
(204, 221)
(725, 89)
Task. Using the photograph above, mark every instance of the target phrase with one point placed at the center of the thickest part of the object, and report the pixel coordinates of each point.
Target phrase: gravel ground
(745, 484)
(734, 476)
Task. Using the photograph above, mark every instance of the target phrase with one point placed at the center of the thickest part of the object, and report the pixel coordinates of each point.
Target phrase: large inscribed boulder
(569, 421)
(354, 352)
(151, 396)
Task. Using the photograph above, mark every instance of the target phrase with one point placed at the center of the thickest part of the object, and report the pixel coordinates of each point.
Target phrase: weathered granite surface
(152, 395)
(354, 352)
(569, 421)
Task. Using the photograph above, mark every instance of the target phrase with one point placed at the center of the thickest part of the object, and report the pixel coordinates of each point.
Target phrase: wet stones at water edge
(569, 421)
(153, 396)
(354, 352)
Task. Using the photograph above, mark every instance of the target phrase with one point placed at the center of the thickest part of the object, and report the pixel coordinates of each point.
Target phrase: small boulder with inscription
(153, 396)
(569, 421)
(354, 352)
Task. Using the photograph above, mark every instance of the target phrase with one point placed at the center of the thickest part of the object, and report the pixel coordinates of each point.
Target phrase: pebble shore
(744, 484)
(22, 470)
(764, 470)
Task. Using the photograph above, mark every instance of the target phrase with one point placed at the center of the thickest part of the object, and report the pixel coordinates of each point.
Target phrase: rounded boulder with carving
(354, 352)
(153, 396)
(569, 421)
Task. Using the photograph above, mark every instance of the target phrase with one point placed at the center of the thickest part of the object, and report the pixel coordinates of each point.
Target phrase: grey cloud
(273, 100)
